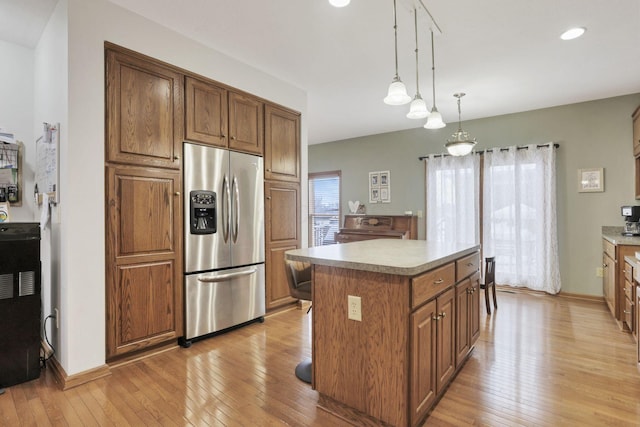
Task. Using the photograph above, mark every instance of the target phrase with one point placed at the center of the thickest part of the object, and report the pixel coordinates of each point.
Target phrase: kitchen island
(393, 321)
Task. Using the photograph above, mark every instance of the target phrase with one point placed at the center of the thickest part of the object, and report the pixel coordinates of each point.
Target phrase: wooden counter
(420, 319)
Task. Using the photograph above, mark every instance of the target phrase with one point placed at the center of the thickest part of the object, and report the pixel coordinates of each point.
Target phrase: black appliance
(631, 216)
(20, 305)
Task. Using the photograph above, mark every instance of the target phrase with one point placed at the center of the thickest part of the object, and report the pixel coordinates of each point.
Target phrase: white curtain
(453, 198)
(519, 217)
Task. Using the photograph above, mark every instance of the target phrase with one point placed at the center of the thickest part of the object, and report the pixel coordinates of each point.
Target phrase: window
(324, 207)
(518, 211)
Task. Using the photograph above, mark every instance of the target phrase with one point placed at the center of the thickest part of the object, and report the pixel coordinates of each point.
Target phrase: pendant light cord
(395, 30)
(433, 71)
(415, 11)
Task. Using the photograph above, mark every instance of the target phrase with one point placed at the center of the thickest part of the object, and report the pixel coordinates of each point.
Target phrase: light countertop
(614, 235)
(390, 256)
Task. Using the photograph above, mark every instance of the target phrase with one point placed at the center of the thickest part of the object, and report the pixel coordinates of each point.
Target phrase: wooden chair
(299, 280)
(489, 282)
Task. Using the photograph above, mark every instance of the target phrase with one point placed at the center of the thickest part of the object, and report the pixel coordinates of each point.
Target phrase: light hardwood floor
(540, 361)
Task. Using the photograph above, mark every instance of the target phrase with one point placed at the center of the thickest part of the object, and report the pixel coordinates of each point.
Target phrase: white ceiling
(505, 54)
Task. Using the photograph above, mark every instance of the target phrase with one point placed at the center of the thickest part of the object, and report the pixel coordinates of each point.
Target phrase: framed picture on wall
(591, 180)
(374, 195)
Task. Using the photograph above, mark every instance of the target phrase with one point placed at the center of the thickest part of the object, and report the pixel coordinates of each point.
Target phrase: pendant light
(435, 118)
(339, 3)
(397, 94)
(418, 108)
(460, 144)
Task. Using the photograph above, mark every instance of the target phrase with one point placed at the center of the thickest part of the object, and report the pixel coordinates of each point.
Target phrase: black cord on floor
(43, 360)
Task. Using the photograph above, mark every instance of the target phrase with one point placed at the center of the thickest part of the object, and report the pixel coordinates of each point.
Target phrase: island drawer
(467, 266)
(431, 283)
(628, 272)
(609, 249)
(628, 290)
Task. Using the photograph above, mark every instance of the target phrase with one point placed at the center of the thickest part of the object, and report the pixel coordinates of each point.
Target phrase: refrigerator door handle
(236, 210)
(226, 205)
(226, 277)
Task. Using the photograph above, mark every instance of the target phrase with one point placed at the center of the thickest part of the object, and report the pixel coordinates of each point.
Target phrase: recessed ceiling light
(573, 33)
(339, 3)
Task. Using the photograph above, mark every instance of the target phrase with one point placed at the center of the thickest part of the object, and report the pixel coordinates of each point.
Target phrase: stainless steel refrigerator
(224, 239)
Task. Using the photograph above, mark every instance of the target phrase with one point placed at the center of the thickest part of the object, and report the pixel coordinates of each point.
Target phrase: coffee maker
(631, 215)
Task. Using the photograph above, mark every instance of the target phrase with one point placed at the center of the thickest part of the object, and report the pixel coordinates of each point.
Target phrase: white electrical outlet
(56, 314)
(355, 308)
(599, 272)
(419, 214)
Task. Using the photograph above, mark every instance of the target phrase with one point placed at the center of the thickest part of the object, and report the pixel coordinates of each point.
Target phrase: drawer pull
(469, 264)
(627, 312)
(437, 282)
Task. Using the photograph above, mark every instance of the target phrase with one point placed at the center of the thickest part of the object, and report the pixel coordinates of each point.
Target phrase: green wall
(591, 135)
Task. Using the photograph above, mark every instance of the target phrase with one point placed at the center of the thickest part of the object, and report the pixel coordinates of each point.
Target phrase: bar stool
(489, 282)
(299, 280)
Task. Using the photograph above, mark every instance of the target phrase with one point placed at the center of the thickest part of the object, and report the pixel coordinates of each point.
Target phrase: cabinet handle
(268, 197)
(627, 312)
(605, 265)
(177, 193)
(443, 315)
(233, 137)
(223, 136)
(437, 282)
(268, 170)
(469, 264)
(436, 318)
(176, 157)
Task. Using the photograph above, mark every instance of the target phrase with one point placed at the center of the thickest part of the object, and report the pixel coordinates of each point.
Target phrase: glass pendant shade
(339, 3)
(397, 94)
(418, 108)
(435, 120)
(460, 143)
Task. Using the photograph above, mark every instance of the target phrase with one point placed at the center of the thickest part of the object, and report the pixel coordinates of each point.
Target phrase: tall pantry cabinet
(282, 194)
(144, 131)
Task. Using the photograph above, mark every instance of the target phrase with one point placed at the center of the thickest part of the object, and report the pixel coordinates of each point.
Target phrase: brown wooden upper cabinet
(217, 116)
(636, 148)
(636, 132)
(144, 112)
(282, 144)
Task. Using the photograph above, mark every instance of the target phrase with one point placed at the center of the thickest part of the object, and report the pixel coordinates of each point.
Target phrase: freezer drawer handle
(226, 277)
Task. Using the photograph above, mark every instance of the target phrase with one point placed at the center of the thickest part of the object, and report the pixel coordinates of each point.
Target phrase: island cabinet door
(474, 309)
(463, 303)
(423, 360)
(445, 355)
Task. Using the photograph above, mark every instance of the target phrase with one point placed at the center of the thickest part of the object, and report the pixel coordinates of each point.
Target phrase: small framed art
(591, 180)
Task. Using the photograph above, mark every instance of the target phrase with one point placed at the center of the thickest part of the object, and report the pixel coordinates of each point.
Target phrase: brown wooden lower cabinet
(144, 259)
(282, 232)
(613, 281)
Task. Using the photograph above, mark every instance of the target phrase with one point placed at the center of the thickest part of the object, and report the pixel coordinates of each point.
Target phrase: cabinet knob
(268, 170)
(268, 197)
(443, 314)
(223, 136)
(604, 265)
(177, 193)
(436, 318)
(176, 157)
(437, 282)
(233, 137)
